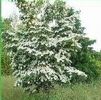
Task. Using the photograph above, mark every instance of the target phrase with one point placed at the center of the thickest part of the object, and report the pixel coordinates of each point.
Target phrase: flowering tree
(41, 47)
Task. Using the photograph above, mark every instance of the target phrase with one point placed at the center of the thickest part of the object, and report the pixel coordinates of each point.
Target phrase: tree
(5, 61)
(84, 59)
(40, 49)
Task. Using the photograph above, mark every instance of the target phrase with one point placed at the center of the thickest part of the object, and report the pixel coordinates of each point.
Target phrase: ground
(90, 91)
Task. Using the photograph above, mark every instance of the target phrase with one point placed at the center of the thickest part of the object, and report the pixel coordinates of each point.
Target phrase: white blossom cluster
(41, 49)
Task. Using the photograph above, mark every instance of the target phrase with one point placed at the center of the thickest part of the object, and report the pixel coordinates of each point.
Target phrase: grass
(90, 91)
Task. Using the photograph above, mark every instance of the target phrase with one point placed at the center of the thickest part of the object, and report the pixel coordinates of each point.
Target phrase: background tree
(5, 61)
(84, 59)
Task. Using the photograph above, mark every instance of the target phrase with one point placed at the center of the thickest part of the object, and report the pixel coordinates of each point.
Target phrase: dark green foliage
(84, 59)
(5, 61)
(97, 56)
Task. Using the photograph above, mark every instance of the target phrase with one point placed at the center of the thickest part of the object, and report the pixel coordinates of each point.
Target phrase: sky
(90, 16)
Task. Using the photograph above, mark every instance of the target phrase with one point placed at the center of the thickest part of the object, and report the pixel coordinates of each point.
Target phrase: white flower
(52, 23)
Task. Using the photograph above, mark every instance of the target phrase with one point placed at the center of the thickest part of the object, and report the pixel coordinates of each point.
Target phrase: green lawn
(76, 92)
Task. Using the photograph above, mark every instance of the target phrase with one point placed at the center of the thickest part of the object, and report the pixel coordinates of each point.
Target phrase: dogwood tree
(40, 47)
